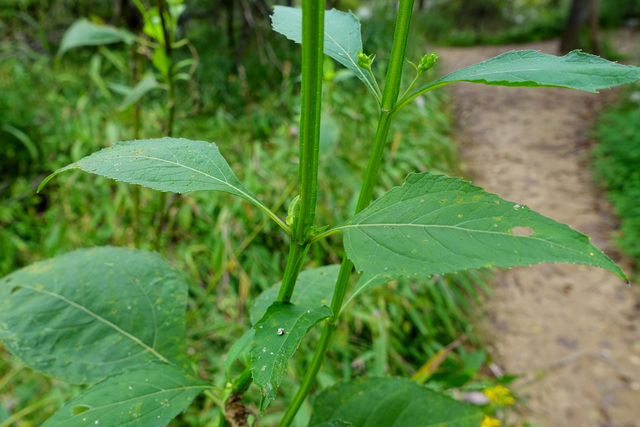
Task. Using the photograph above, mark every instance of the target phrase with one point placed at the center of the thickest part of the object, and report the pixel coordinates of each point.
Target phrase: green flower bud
(427, 62)
(364, 60)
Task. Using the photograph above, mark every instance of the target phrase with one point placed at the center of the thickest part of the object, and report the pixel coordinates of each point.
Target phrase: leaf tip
(44, 182)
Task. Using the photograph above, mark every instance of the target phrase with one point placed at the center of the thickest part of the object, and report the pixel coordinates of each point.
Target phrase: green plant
(114, 317)
(160, 24)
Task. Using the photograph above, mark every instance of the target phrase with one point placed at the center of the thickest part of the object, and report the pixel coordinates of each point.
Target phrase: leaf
(530, 68)
(278, 335)
(143, 87)
(147, 395)
(23, 138)
(239, 351)
(425, 372)
(166, 164)
(437, 224)
(335, 423)
(314, 289)
(366, 282)
(391, 402)
(342, 39)
(86, 33)
(90, 313)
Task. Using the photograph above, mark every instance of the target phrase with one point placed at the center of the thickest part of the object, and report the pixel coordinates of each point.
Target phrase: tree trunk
(580, 11)
(594, 32)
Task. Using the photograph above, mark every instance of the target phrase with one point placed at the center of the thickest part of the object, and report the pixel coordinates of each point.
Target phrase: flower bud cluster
(364, 60)
(427, 62)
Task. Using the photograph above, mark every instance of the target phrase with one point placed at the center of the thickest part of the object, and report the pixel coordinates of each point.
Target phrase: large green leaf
(437, 224)
(391, 402)
(278, 335)
(530, 68)
(85, 33)
(314, 289)
(147, 395)
(92, 312)
(342, 39)
(166, 164)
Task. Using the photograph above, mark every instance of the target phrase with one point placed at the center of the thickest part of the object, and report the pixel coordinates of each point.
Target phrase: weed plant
(464, 227)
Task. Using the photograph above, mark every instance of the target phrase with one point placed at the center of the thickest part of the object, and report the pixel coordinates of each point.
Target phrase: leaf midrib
(468, 230)
(223, 182)
(103, 320)
(364, 77)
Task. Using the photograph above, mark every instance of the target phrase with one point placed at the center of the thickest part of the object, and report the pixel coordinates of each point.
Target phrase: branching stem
(389, 98)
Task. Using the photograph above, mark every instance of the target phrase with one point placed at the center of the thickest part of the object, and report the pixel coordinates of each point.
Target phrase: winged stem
(311, 97)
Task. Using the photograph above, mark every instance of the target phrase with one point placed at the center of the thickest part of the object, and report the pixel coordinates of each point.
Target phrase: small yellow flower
(490, 422)
(499, 395)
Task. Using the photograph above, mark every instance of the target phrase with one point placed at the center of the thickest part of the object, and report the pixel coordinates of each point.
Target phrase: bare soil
(571, 331)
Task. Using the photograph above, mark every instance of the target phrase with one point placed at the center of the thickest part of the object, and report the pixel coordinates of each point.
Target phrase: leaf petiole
(323, 235)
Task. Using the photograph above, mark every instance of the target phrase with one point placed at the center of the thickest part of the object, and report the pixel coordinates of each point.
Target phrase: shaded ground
(572, 331)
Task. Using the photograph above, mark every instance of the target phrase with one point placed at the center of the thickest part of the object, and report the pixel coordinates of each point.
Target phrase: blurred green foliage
(616, 160)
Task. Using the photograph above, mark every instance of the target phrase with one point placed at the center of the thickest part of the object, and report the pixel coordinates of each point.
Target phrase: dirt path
(572, 331)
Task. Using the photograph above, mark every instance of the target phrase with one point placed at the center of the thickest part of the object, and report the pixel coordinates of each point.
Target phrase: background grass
(616, 160)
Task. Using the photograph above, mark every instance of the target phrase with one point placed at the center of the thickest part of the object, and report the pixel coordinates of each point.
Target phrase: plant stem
(135, 190)
(406, 92)
(378, 92)
(242, 383)
(309, 379)
(171, 107)
(389, 98)
(297, 254)
(311, 98)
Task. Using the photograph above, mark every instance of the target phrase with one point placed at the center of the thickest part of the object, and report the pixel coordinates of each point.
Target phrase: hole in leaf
(522, 231)
(80, 409)
(15, 289)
